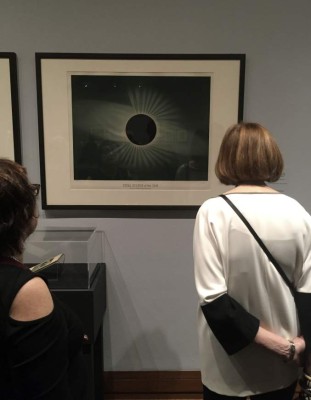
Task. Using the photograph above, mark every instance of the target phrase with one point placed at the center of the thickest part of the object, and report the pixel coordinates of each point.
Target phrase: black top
(40, 359)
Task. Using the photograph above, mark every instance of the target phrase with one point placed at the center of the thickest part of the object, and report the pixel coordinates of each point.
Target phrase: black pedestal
(89, 305)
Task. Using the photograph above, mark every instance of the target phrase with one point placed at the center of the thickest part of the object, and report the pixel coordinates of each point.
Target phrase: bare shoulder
(33, 301)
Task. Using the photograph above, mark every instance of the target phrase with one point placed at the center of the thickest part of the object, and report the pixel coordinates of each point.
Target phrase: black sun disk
(141, 129)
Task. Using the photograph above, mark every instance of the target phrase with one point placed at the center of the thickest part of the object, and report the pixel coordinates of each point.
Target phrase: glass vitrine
(82, 250)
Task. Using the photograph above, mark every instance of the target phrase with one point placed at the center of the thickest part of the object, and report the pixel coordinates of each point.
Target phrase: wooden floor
(152, 385)
(155, 397)
(155, 385)
(163, 397)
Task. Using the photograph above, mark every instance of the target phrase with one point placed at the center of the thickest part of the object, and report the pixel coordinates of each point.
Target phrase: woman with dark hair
(41, 340)
(251, 340)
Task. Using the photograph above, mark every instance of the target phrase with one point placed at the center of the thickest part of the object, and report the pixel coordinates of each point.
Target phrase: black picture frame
(86, 103)
(9, 105)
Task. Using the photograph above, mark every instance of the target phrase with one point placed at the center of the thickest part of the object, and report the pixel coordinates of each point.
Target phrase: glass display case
(82, 250)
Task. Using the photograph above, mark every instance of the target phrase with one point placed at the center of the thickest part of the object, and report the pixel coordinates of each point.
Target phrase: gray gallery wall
(151, 315)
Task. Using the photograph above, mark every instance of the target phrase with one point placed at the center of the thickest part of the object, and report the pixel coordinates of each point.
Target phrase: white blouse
(228, 260)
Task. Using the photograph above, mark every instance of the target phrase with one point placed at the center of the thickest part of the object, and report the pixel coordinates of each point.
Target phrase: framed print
(124, 130)
(9, 122)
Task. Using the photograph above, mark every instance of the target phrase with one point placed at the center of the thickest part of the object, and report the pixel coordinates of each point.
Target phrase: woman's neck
(252, 188)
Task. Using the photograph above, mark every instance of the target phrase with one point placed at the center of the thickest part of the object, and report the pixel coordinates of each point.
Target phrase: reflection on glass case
(81, 250)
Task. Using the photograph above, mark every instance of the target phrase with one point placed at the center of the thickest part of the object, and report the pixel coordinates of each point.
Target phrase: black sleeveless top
(40, 359)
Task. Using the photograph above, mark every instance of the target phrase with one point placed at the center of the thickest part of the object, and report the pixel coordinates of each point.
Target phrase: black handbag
(262, 245)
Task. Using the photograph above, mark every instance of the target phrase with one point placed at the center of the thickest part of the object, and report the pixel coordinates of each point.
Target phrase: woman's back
(236, 264)
(40, 357)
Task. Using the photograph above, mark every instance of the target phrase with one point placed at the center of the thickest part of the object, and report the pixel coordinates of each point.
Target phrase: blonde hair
(248, 154)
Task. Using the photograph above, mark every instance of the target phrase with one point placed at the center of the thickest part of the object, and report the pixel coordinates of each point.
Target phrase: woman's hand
(281, 346)
(300, 346)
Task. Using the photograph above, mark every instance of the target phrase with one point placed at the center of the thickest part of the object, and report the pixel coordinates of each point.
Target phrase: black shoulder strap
(261, 244)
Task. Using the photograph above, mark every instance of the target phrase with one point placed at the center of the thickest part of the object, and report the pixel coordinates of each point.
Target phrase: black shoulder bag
(262, 245)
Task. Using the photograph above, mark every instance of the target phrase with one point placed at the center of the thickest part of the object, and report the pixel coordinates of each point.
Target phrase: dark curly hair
(17, 207)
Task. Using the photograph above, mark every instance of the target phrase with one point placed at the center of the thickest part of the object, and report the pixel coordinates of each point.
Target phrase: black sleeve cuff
(303, 304)
(232, 325)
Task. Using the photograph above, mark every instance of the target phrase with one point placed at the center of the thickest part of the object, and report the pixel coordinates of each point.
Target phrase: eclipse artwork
(137, 131)
(128, 127)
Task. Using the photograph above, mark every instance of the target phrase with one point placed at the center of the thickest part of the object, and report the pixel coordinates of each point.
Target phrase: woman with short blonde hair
(251, 343)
